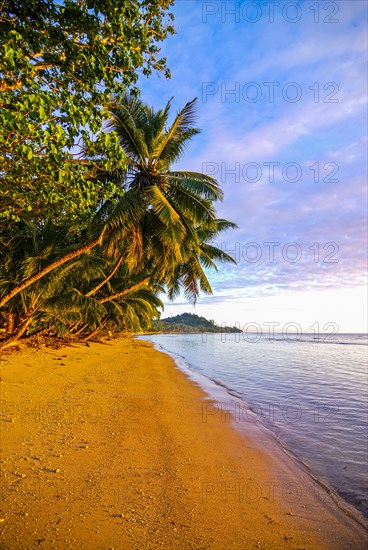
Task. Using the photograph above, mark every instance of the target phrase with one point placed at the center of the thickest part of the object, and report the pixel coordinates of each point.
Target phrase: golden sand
(111, 446)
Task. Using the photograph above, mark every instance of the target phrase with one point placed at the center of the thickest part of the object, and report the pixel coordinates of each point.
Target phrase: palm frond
(171, 145)
(165, 212)
(200, 184)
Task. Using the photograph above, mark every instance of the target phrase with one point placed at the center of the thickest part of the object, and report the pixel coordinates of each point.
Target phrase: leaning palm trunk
(106, 280)
(125, 291)
(120, 217)
(79, 331)
(92, 334)
(111, 297)
(57, 263)
(13, 339)
(10, 321)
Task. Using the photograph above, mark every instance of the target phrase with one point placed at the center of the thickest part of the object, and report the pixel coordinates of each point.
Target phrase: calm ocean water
(311, 393)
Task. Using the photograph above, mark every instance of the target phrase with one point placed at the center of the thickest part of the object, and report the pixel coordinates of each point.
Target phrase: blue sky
(282, 107)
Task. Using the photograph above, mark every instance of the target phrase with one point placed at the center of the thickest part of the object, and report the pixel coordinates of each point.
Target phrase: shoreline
(106, 446)
(224, 398)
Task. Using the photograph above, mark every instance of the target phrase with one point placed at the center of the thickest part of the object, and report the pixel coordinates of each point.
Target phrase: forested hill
(189, 322)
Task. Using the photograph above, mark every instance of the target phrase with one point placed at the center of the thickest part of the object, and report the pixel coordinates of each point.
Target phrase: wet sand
(111, 446)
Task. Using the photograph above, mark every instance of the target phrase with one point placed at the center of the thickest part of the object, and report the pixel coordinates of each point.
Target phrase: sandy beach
(110, 446)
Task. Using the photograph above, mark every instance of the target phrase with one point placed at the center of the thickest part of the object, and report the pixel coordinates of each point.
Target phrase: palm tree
(158, 231)
(53, 299)
(60, 304)
(125, 214)
(178, 205)
(142, 131)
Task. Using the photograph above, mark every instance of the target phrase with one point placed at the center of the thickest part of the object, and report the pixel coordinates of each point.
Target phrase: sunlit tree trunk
(101, 284)
(10, 320)
(125, 291)
(57, 263)
(13, 339)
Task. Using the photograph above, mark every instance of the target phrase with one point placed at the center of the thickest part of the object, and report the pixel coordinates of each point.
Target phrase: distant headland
(191, 323)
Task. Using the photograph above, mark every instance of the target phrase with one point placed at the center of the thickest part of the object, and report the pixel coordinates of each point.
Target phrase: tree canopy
(189, 322)
(155, 236)
(94, 222)
(60, 63)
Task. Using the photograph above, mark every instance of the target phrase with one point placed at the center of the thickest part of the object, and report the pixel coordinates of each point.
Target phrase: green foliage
(189, 322)
(75, 295)
(60, 63)
(71, 278)
(180, 216)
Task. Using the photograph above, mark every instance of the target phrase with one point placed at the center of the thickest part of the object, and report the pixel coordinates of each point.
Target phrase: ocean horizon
(311, 392)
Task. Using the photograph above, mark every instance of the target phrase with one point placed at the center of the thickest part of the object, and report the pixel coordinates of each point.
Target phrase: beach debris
(52, 470)
(18, 474)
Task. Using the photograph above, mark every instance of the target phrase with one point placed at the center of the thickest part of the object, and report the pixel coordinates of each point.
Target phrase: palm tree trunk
(13, 339)
(47, 269)
(101, 284)
(74, 327)
(10, 319)
(92, 334)
(113, 297)
(125, 291)
(80, 330)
